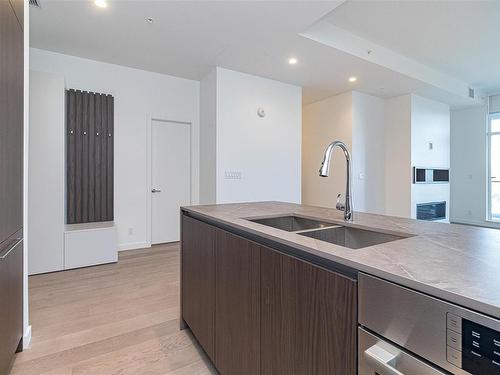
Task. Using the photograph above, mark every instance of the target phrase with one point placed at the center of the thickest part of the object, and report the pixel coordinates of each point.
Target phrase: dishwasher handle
(381, 360)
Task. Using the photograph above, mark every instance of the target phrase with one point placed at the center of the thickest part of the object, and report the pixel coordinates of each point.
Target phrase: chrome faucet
(325, 169)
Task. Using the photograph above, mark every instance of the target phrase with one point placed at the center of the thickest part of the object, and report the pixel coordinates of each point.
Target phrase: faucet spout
(325, 170)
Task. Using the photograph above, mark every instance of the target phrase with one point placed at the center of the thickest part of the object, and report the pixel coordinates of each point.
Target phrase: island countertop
(456, 263)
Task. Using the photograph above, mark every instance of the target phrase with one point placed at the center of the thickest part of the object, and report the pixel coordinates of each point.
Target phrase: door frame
(149, 167)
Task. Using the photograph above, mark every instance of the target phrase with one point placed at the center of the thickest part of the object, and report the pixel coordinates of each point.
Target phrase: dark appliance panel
(430, 175)
(441, 175)
(480, 349)
(431, 211)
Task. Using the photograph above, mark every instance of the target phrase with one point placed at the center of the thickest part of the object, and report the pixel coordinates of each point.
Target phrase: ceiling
(188, 39)
(459, 38)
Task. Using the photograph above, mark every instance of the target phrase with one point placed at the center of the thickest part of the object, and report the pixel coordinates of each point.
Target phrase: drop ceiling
(188, 39)
(459, 38)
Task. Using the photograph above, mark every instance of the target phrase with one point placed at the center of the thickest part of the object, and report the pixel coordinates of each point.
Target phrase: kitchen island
(249, 278)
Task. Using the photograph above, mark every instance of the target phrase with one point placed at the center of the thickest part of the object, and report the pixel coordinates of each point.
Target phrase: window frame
(489, 134)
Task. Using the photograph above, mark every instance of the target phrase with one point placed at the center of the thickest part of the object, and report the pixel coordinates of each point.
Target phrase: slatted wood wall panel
(89, 164)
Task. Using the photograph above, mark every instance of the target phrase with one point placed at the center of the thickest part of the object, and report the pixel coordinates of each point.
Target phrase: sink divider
(317, 229)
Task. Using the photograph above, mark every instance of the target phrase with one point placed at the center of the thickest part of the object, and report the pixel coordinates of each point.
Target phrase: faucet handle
(340, 206)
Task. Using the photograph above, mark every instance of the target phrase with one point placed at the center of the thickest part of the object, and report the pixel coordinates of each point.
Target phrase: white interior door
(170, 177)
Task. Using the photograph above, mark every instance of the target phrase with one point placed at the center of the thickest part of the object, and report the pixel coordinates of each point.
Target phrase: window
(494, 167)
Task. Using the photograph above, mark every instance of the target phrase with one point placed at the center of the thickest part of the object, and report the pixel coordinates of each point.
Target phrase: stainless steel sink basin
(346, 236)
(353, 238)
(292, 223)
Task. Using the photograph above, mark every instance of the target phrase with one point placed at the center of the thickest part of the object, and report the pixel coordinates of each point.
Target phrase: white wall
(139, 95)
(494, 103)
(468, 173)
(386, 137)
(359, 121)
(368, 149)
(267, 151)
(46, 173)
(398, 177)
(323, 122)
(412, 123)
(208, 138)
(430, 123)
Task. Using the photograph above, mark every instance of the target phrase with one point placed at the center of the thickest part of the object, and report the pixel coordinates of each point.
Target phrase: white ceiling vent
(35, 3)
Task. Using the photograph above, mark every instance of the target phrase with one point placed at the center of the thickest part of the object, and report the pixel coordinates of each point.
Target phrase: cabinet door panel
(198, 280)
(308, 318)
(5, 353)
(18, 7)
(237, 305)
(11, 123)
(15, 270)
(11, 297)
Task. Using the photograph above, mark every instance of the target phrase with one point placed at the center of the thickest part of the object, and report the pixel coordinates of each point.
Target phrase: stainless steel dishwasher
(404, 332)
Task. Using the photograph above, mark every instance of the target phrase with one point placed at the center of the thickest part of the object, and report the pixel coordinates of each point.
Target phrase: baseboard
(477, 223)
(133, 246)
(27, 338)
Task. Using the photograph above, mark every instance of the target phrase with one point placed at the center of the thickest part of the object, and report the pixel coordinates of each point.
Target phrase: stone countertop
(457, 263)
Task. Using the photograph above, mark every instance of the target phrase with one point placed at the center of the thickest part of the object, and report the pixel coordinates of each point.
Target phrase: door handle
(155, 191)
(8, 250)
(381, 361)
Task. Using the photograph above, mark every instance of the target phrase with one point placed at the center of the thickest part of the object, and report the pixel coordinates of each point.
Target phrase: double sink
(341, 235)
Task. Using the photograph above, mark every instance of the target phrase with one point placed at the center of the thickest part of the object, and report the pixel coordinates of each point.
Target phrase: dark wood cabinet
(15, 272)
(5, 352)
(255, 310)
(11, 295)
(18, 6)
(198, 280)
(308, 318)
(237, 305)
(11, 180)
(11, 121)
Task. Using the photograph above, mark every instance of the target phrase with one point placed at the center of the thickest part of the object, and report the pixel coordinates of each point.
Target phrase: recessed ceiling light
(292, 60)
(101, 3)
(352, 79)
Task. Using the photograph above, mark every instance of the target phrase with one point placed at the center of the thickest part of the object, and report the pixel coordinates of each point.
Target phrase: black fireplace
(431, 211)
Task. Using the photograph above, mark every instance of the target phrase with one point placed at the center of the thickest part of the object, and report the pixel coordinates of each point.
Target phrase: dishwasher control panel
(450, 338)
(480, 349)
(471, 346)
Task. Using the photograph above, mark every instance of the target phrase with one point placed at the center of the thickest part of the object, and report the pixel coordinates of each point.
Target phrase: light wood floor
(113, 319)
